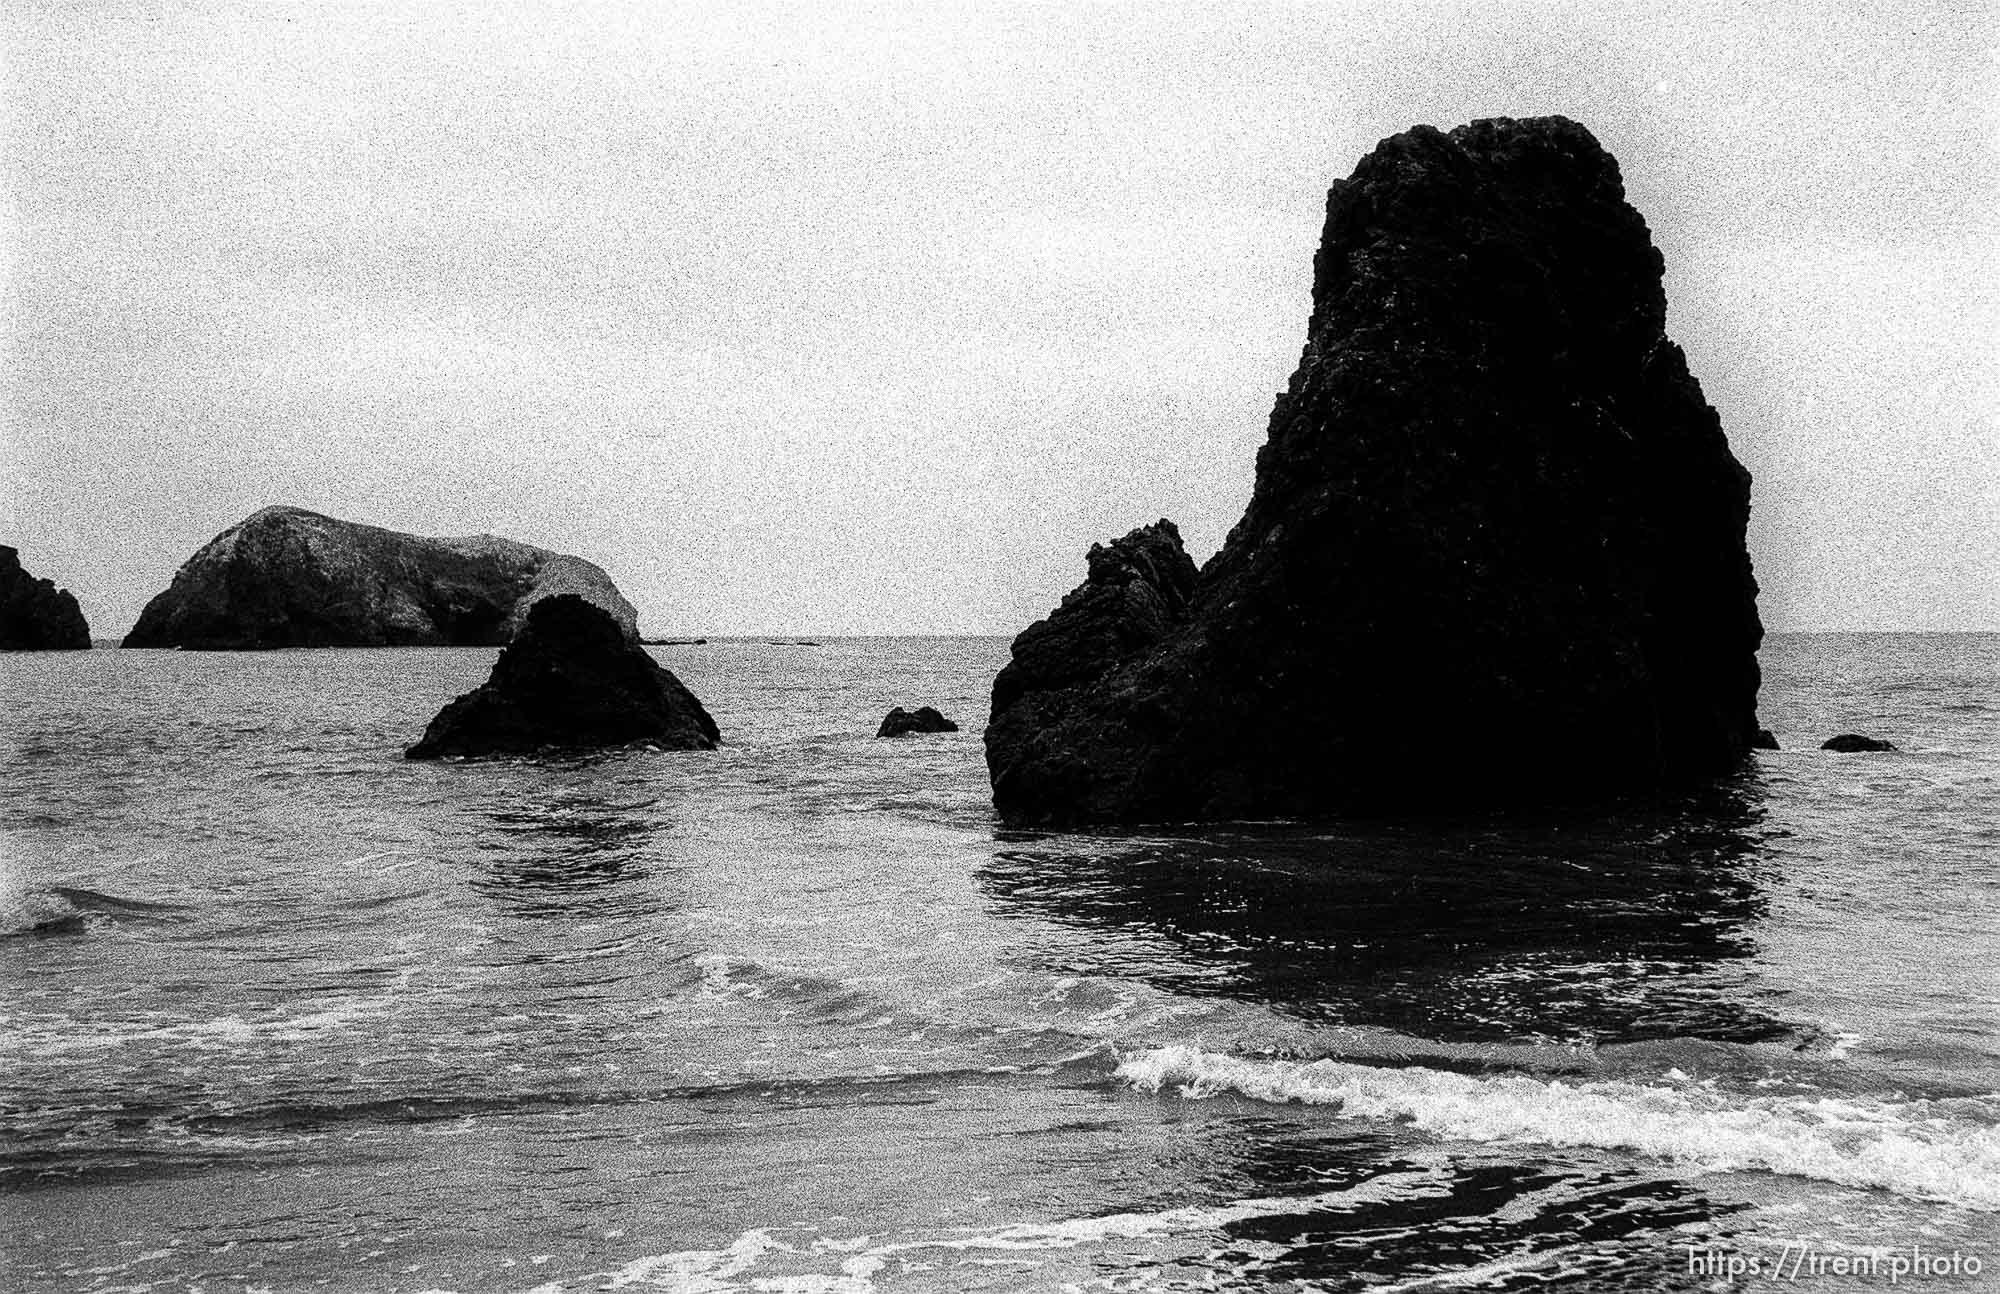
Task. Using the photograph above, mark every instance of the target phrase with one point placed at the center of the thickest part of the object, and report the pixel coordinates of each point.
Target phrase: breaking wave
(1924, 1149)
(30, 906)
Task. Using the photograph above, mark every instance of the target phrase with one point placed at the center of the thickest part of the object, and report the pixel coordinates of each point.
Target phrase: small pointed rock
(571, 680)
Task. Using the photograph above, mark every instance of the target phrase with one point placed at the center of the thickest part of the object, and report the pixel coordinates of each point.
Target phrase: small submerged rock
(1853, 743)
(901, 723)
(570, 680)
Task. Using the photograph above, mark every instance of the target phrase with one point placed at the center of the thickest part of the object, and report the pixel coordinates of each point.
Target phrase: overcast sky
(872, 317)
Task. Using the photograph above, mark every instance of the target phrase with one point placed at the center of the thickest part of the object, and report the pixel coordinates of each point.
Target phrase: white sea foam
(1909, 1148)
(718, 979)
(695, 1270)
(711, 1271)
(312, 1020)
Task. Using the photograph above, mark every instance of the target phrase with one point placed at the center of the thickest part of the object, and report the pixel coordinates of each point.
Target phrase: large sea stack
(35, 615)
(1495, 552)
(572, 680)
(285, 577)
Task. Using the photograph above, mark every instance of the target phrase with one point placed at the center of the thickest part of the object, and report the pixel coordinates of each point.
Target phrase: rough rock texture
(285, 577)
(1853, 743)
(901, 723)
(571, 680)
(1494, 555)
(35, 615)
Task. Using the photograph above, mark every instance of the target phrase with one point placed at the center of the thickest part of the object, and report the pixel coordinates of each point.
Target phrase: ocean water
(285, 1012)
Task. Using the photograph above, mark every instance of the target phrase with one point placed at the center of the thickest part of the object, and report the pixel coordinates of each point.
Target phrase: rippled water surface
(284, 1011)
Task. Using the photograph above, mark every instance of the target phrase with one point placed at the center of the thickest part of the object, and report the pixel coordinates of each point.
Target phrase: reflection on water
(1610, 928)
(580, 854)
(1451, 1213)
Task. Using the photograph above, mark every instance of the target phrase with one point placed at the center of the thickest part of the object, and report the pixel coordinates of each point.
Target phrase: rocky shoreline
(1495, 551)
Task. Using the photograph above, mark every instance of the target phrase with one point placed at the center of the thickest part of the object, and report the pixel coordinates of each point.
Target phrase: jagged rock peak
(35, 615)
(1494, 552)
(1136, 590)
(288, 577)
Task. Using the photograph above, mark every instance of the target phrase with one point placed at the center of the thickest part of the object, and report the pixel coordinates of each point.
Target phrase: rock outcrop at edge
(286, 577)
(1495, 552)
(35, 615)
(571, 680)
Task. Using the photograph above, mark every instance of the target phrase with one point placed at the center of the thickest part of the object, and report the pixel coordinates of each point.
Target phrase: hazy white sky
(838, 317)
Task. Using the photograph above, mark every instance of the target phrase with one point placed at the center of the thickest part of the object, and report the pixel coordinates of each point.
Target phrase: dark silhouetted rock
(285, 577)
(1495, 551)
(1853, 743)
(1764, 740)
(1137, 590)
(35, 615)
(901, 723)
(571, 680)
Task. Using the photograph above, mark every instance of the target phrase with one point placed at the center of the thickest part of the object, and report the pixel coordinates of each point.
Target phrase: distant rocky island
(286, 577)
(1494, 554)
(35, 615)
